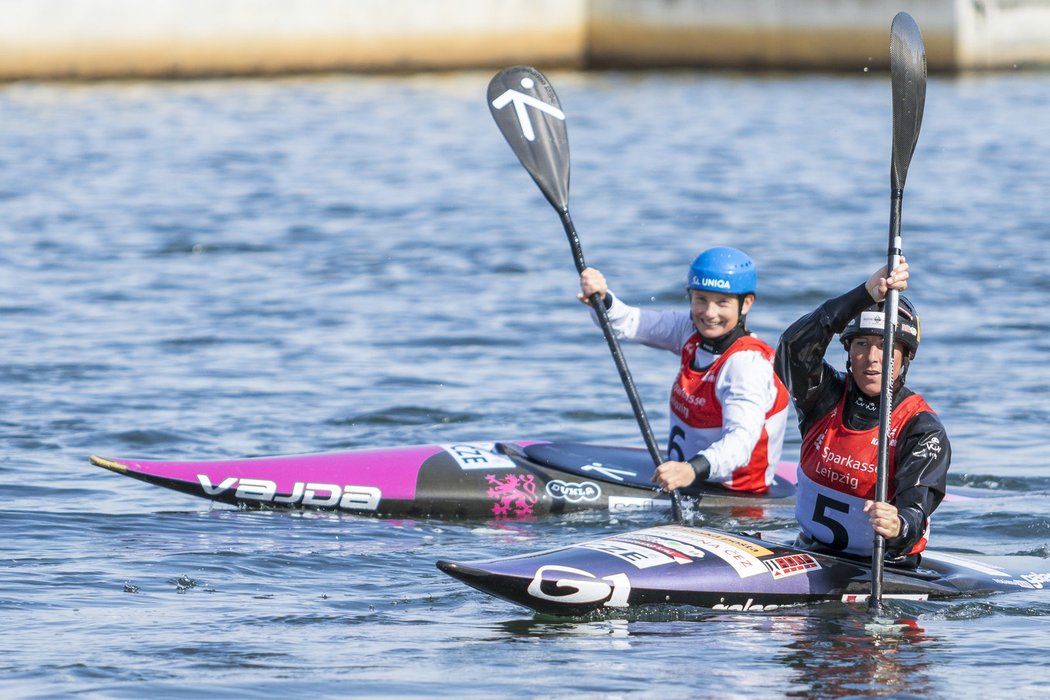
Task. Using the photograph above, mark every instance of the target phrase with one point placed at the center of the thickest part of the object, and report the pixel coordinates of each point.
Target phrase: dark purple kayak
(689, 566)
(504, 480)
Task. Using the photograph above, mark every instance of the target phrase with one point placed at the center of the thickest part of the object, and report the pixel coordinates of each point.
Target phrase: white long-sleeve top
(745, 387)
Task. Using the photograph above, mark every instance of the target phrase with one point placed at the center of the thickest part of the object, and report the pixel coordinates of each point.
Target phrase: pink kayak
(504, 480)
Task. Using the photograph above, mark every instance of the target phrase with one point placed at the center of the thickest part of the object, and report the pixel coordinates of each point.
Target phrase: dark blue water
(233, 268)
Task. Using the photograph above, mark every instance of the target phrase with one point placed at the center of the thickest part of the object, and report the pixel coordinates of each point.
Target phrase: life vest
(697, 421)
(837, 473)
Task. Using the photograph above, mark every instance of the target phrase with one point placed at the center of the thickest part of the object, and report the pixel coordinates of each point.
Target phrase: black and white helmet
(870, 321)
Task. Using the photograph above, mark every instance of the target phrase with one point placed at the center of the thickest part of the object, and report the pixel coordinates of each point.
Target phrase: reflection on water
(846, 654)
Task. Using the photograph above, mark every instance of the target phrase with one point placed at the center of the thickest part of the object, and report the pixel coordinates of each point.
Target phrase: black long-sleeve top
(923, 452)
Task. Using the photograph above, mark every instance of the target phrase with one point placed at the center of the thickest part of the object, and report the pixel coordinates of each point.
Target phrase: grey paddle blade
(908, 79)
(528, 113)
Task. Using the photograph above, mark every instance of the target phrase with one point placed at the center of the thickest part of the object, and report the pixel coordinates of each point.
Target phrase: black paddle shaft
(908, 87)
(528, 113)
(614, 346)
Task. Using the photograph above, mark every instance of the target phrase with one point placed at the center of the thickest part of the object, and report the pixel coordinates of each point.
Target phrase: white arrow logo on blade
(521, 101)
(608, 472)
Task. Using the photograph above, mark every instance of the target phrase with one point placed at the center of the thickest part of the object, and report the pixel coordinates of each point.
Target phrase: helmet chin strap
(740, 299)
(905, 361)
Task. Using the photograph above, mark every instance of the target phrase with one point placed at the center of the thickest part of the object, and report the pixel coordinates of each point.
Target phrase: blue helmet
(725, 270)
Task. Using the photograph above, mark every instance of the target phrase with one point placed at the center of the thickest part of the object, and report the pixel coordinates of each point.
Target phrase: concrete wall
(124, 38)
(820, 34)
(147, 38)
(1002, 33)
(813, 34)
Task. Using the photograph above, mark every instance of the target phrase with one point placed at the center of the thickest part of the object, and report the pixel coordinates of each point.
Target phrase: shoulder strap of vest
(747, 342)
(909, 408)
(750, 342)
(834, 414)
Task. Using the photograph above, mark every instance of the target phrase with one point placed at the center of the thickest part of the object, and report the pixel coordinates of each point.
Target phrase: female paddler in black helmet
(728, 409)
(838, 416)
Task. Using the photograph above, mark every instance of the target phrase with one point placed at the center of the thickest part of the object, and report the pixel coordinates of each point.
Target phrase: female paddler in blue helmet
(728, 408)
(838, 416)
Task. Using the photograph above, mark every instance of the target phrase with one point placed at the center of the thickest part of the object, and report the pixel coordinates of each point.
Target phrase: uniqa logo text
(714, 282)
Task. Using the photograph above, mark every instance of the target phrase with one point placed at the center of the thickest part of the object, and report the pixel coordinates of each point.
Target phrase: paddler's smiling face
(715, 314)
(865, 362)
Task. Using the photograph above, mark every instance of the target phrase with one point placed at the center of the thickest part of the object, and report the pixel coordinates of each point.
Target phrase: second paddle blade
(908, 78)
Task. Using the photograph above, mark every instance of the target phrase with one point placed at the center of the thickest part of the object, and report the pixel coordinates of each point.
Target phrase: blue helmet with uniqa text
(725, 270)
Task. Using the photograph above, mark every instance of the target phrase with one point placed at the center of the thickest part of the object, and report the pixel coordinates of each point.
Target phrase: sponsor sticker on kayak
(478, 455)
(619, 503)
(575, 586)
(573, 491)
(750, 547)
(747, 606)
(513, 496)
(683, 553)
(863, 597)
(1032, 581)
(792, 564)
(670, 544)
(725, 547)
(309, 494)
(640, 555)
(1036, 580)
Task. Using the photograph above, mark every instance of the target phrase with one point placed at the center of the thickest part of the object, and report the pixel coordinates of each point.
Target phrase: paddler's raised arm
(666, 330)
(800, 353)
